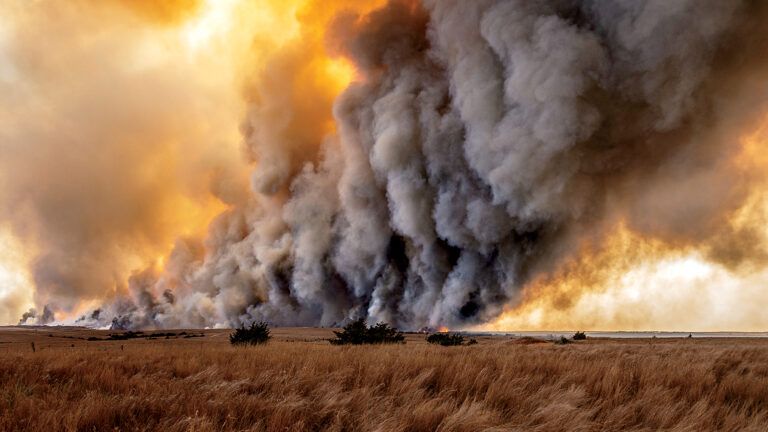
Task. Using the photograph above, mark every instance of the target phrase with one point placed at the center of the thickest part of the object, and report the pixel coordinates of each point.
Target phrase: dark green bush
(257, 333)
(562, 341)
(357, 333)
(580, 336)
(445, 339)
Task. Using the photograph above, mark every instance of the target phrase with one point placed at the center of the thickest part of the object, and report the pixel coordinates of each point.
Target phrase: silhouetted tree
(445, 339)
(358, 333)
(257, 333)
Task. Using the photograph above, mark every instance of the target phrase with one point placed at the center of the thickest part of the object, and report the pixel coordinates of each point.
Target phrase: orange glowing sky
(191, 60)
(635, 283)
(187, 63)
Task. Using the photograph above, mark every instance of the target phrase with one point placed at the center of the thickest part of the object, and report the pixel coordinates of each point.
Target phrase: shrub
(580, 336)
(357, 333)
(257, 333)
(354, 333)
(472, 342)
(562, 341)
(445, 339)
(125, 336)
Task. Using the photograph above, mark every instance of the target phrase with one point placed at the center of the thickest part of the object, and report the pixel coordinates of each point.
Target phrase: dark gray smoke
(484, 141)
(31, 317)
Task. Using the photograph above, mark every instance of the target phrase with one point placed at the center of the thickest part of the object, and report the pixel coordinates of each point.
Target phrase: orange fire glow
(214, 49)
(639, 283)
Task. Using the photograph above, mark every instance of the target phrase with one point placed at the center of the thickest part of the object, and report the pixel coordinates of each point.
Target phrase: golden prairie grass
(295, 384)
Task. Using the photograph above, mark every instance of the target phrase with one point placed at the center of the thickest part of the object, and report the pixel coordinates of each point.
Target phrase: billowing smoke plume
(108, 150)
(483, 141)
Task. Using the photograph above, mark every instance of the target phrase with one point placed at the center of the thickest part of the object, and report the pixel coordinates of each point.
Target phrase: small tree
(445, 339)
(580, 336)
(257, 333)
(357, 333)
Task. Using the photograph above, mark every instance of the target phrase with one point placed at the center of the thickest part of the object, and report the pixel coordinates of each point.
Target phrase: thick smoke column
(482, 142)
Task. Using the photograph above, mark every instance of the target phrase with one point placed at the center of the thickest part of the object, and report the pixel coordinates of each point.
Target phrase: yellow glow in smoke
(636, 283)
(340, 73)
(664, 294)
(15, 281)
(213, 21)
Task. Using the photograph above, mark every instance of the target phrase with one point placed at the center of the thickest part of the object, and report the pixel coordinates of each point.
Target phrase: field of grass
(299, 382)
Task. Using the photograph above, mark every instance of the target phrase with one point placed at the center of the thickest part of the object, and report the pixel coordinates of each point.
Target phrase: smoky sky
(480, 144)
(102, 147)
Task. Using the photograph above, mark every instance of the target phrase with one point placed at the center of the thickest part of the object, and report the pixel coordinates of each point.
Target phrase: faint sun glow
(213, 21)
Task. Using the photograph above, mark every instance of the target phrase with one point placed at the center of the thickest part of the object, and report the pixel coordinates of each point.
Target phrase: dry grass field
(298, 382)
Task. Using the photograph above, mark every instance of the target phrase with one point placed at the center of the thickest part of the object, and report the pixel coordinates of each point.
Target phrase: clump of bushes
(256, 334)
(358, 333)
(580, 336)
(125, 336)
(446, 339)
(562, 341)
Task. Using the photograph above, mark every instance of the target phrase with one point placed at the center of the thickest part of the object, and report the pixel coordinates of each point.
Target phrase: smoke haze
(434, 163)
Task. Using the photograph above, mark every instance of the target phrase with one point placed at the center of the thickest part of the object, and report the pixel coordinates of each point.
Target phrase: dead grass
(527, 340)
(293, 384)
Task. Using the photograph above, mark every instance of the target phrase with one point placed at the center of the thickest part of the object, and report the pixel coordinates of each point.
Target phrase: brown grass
(527, 340)
(299, 383)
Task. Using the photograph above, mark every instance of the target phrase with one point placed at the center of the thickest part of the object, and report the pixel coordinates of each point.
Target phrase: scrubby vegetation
(257, 333)
(358, 333)
(138, 335)
(580, 335)
(446, 339)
